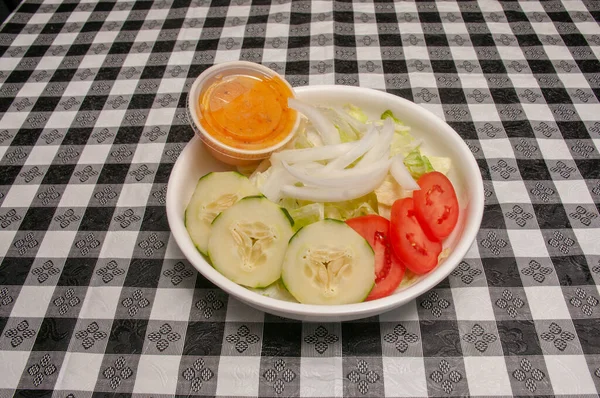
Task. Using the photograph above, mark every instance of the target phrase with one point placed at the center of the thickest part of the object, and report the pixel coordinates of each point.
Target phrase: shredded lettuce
(307, 214)
(356, 113)
(417, 164)
(389, 114)
(352, 208)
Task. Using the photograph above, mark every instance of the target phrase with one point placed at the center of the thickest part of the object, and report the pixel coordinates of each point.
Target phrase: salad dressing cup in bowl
(239, 110)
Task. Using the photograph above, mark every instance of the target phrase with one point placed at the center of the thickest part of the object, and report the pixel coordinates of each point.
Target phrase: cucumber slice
(328, 263)
(214, 193)
(277, 291)
(248, 241)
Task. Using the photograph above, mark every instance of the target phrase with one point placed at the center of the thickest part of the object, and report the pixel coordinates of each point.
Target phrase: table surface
(96, 298)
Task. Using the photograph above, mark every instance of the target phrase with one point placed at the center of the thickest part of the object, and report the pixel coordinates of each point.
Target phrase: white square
(57, 244)
(118, 244)
(6, 238)
(124, 87)
(460, 53)
(415, 52)
(546, 302)
(76, 88)
(321, 377)
(42, 155)
(574, 80)
(32, 302)
(147, 35)
(404, 377)
(447, 6)
(117, 16)
(148, 153)
(29, 89)
(473, 251)
(173, 251)
(588, 28)
(76, 195)
(78, 16)
(59, 120)
(11, 368)
(436, 109)
(523, 81)
(587, 111)
(372, 80)
(106, 37)
(240, 312)
(14, 120)
(497, 148)
(91, 61)
(530, 6)
(172, 304)
(160, 374)
(569, 375)
(487, 376)
(134, 195)
(455, 28)
(172, 85)
(484, 113)
(39, 18)
(537, 112)
(510, 53)
(553, 149)
(473, 80)
(498, 28)
(473, 304)
(406, 312)
(20, 196)
(94, 154)
(134, 60)
(588, 240)
(23, 39)
(558, 52)
(79, 371)
(511, 192)
(100, 302)
(238, 376)
(162, 116)
(64, 39)
(544, 28)
(110, 118)
(575, 191)
(527, 243)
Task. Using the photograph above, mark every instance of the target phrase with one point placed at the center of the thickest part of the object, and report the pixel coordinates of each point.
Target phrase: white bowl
(439, 139)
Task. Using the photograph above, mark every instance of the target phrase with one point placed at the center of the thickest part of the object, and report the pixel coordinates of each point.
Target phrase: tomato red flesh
(436, 205)
(389, 271)
(408, 240)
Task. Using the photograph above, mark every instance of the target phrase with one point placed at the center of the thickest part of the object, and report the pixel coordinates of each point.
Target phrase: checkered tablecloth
(97, 300)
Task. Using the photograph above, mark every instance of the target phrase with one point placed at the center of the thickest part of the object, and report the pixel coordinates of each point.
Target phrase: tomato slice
(436, 205)
(389, 270)
(409, 242)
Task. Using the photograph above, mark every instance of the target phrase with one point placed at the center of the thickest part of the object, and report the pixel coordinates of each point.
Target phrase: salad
(350, 210)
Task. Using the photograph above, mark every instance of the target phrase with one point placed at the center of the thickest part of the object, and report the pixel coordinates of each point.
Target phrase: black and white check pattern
(95, 297)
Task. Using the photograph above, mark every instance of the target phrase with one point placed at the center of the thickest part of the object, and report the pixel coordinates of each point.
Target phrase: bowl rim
(201, 131)
(475, 205)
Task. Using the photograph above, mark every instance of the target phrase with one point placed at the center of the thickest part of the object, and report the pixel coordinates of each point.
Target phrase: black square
(343, 16)
(574, 40)
(54, 334)
(63, 75)
(501, 272)
(436, 40)
(504, 95)
(572, 271)
(66, 7)
(405, 93)
(141, 101)
(174, 23)
(93, 102)
(361, 339)
(528, 40)
(78, 49)
(58, 174)
(14, 270)
(155, 219)
(214, 22)
(493, 217)
(518, 129)
(120, 48)
(484, 169)
(104, 6)
(153, 72)
(515, 16)
(204, 338)
(439, 66)
(37, 219)
(127, 336)
(394, 66)
(143, 273)
(36, 51)
(348, 67)
(108, 73)
(390, 40)
(92, 26)
(589, 168)
(130, 135)
(282, 339)
(201, 281)
(452, 96)
(533, 169)
(113, 174)
(257, 19)
(77, 136)
(551, 216)
(5, 103)
(588, 65)
(3, 322)
(180, 133)
(96, 219)
(466, 130)
(142, 5)
(492, 66)
(556, 96)
(385, 17)
(440, 339)
(29, 8)
(8, 174)
(18, 76)
(163, 172)
(430, 17)
(253, 42)
(12, 28)
(163, 47)
(588, 331)
(297, 68)
(77, 272)
(26, 137)
(562, 16)
(519, 338)
(473, 17)
(132, 25)
(483, 40)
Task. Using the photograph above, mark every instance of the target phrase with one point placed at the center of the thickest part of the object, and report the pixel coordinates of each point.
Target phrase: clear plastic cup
(226, 153)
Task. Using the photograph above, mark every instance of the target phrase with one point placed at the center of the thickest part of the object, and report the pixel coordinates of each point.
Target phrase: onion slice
(323, 125)
(402, 175)
(381, 148)
(339, 179)
(321, 194)
(363, 145)
(312, 154)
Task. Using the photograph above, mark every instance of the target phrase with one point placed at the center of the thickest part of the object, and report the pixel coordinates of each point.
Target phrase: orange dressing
(247, 112)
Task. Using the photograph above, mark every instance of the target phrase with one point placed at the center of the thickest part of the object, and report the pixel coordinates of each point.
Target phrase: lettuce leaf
(352, 208)
(417, 163)
(307, 214)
